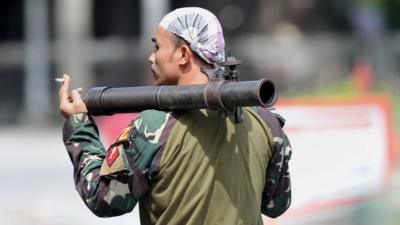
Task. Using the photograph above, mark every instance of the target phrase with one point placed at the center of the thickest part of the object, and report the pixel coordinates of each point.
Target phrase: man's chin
(157, 82)
(156, 79)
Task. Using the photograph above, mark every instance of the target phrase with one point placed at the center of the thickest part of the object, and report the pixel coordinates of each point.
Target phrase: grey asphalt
(36, 187)
(36, 182)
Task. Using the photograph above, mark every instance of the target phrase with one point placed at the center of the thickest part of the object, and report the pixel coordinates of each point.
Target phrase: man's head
(186, 40)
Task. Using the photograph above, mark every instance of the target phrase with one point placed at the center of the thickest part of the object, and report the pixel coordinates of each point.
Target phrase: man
(191, 167)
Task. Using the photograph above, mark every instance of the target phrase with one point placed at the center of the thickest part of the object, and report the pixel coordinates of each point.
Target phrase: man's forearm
(87, 154)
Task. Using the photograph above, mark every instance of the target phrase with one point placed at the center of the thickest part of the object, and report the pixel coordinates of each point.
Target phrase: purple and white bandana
(200, 29)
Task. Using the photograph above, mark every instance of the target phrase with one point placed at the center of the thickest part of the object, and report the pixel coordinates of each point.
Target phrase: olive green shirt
(212, 171)
(191, 167)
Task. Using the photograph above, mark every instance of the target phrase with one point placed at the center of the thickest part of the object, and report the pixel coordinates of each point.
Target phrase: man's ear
(185, 54)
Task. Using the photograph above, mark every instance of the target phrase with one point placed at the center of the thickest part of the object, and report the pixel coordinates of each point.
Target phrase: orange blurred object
(363, 76)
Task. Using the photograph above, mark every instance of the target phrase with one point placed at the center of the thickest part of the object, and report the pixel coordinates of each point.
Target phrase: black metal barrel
(216, 95)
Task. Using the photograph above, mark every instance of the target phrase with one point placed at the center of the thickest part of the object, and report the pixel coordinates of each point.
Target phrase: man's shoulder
(152, 114)
(152, 118)
(154, 122)
(273, 120)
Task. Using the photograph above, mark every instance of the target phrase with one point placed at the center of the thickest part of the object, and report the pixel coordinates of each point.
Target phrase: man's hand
(70, 101)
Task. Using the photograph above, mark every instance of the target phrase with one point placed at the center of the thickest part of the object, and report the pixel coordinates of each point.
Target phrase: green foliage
(391, 9)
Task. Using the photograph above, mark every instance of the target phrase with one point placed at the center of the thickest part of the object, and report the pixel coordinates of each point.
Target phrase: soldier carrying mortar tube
(187, 166)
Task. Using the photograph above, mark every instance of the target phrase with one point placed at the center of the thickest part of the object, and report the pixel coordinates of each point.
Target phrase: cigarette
(59, 80)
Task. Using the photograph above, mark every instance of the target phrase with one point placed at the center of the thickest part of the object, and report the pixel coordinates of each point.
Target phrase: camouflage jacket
(277, 193)
(112, 181)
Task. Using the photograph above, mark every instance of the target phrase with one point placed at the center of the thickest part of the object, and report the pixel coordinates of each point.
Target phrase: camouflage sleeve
(276, 197)
(105, 194)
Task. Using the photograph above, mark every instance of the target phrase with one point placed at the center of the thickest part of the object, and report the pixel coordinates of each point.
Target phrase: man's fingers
(64, 90)
(66, 84)
(76, 96)
(70, 101)
(79, 90)
(79, 105)
(64, 94)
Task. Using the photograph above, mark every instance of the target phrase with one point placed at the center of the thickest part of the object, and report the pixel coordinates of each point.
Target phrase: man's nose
(151, 58)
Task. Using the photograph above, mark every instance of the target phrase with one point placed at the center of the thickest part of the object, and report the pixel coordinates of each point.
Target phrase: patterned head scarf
(200, 29)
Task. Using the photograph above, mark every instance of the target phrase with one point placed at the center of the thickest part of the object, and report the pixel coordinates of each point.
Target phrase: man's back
(212, 171)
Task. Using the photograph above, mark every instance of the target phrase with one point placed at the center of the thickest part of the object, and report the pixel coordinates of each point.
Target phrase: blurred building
(299, 44)
(302, 45)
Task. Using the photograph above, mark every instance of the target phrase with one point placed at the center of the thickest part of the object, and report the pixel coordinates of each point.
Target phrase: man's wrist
(79, 118)
(75, 122)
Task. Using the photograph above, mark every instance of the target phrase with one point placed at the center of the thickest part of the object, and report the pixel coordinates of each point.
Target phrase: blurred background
(310, 49)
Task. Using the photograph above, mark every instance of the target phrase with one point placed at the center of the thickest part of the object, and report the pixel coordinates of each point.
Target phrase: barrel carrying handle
(221, 72)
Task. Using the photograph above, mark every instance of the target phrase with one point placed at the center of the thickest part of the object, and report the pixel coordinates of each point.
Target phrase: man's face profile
(164, 60)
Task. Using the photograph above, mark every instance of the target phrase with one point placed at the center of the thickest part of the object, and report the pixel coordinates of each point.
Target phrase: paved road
(37, 183)
(37, 188)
